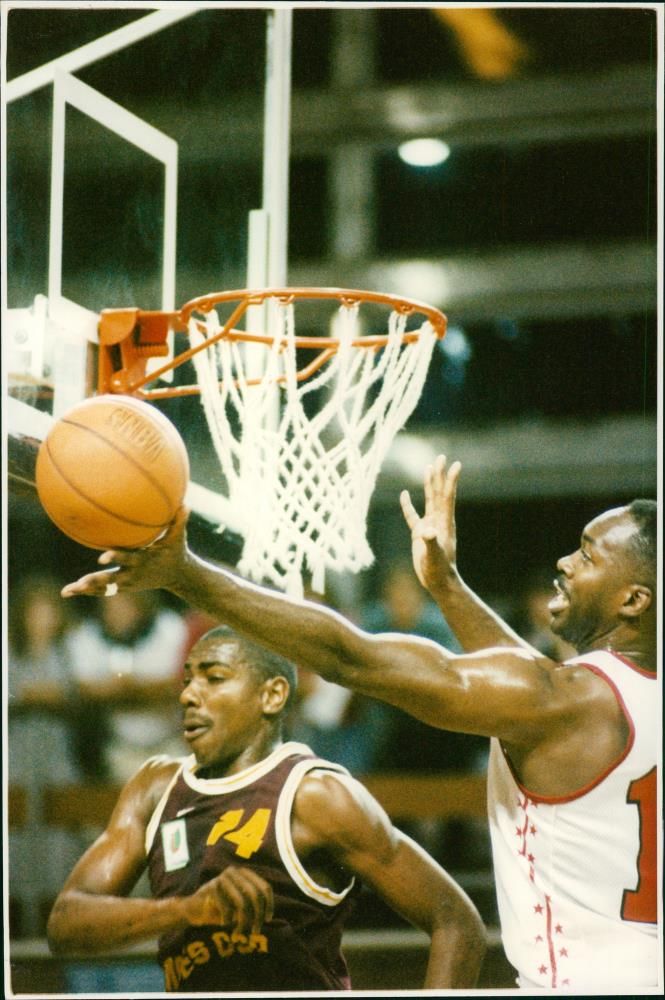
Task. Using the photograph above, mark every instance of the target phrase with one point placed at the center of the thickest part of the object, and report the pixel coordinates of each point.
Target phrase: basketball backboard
(115, 199)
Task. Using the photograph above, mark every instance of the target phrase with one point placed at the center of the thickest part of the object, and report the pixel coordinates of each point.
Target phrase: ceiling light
(424, 152)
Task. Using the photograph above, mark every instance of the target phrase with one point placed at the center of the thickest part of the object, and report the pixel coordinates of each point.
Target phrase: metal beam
(98, 49)
(526, 459)
(570, 281)
(563, 281)
(621, 102)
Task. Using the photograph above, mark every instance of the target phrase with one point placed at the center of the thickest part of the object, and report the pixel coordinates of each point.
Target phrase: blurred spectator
(127, 660)
(337, 724)
(41, 724)
(334, 722)
(410, 745)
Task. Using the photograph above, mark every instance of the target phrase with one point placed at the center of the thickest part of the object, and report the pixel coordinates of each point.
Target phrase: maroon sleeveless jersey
(202, 826)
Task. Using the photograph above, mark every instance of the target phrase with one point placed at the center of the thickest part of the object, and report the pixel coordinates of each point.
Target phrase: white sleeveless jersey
(576, 876)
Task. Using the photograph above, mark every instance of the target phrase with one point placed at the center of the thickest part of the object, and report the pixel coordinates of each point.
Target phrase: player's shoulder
(325, 779)
(328, 798)
(151, 780)
(580, 684)
(161, 766)
(334, 811)
(159, 769)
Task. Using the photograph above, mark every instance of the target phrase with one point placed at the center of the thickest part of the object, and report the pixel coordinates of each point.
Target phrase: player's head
(234, 697)
(610, 581)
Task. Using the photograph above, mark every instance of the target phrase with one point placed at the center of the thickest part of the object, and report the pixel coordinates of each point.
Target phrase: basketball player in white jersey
(572, 782)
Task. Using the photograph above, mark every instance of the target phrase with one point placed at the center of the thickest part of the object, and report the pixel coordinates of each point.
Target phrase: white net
(299, 483)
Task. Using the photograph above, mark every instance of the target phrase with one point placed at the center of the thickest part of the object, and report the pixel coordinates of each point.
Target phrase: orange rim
(245, 298)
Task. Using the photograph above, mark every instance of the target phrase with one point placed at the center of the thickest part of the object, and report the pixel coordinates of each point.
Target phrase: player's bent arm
(434, 554)
(92, 913)
(476, 625)
(337, 814)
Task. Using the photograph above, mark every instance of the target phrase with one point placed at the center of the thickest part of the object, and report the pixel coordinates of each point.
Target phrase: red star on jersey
(532, 830)
(558, 929)
(542, 970)
(538, 908)
(530, 858)
(539, 937)
(563, 952)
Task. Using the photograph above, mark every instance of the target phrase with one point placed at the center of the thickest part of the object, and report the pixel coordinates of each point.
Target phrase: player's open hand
(434, 536)
(237, 898)
(156, 566)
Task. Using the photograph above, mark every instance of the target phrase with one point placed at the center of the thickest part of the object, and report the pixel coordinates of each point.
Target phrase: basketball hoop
(300, 424)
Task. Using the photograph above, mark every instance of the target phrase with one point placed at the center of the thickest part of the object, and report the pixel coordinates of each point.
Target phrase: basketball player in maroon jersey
(572, 778)
(255, 851)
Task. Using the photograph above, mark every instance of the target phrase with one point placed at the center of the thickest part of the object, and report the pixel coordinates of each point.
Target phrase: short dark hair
(263, 662)
(644, 543)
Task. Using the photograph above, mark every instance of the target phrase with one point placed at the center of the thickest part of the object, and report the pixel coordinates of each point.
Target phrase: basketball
(112, 472)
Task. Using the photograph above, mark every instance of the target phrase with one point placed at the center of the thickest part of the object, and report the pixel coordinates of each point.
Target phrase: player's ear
(637, 599)
(275, 694)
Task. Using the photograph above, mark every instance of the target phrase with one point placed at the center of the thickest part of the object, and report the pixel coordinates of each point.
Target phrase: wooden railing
(430, 796)
(404, 796)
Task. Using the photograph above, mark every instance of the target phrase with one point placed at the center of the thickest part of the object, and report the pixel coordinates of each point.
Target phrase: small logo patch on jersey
(174, 842)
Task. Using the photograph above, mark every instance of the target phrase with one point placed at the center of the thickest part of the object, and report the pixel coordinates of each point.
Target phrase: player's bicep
(114, 862)
(415, 886)
(357, 831)
(505, 692)
(111, 866)
(342, 817)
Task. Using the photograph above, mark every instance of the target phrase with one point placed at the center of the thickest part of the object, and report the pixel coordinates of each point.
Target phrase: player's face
(592, 581)
(223, 704)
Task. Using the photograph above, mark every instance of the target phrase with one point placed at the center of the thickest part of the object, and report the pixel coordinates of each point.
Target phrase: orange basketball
(112, 472)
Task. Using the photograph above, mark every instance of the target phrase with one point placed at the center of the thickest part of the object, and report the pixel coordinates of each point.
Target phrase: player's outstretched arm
(92, 913)
(499, 692)
(434, 554)
(337, 815)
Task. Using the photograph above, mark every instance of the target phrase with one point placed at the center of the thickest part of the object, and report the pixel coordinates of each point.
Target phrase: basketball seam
(132, 461)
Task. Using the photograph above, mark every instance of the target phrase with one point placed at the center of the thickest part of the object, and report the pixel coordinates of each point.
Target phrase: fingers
(92, 585)
(252, 899)
(179, 521)
(449, 490)
(136, 569)
(435, 477)
(120, 557)
(419, 527)
(98, 584)
(442, 486)
(238, 898)
(440, 489)
(408, 510)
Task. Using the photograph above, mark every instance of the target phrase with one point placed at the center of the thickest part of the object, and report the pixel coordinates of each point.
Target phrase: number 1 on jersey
(640, 904)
